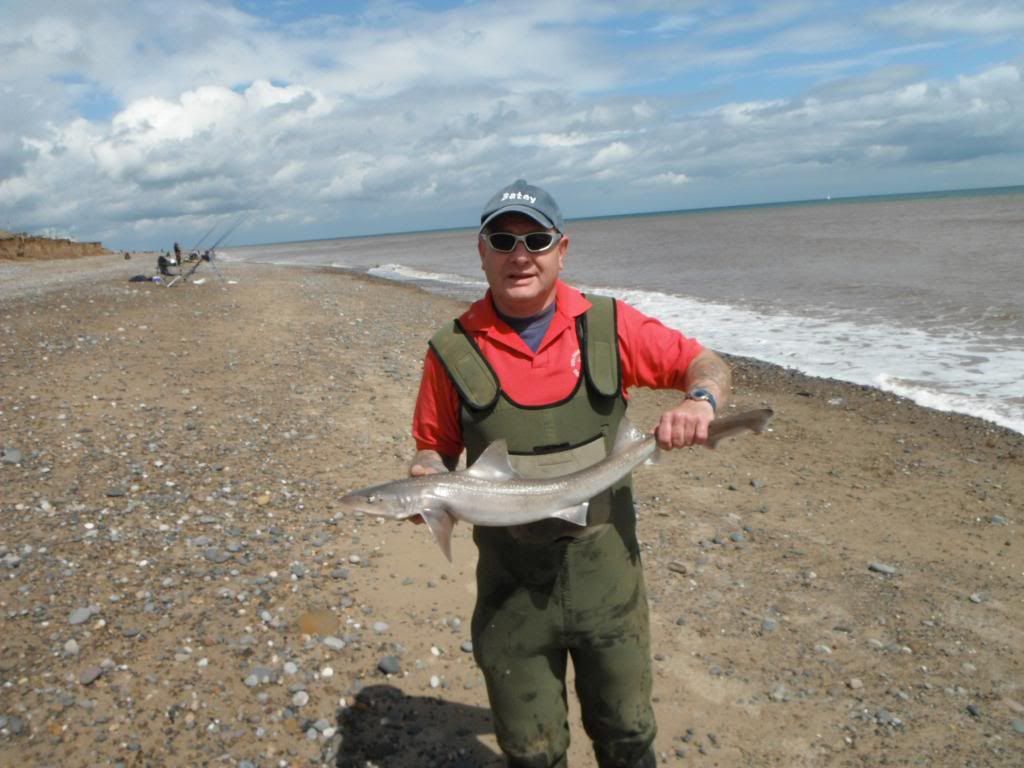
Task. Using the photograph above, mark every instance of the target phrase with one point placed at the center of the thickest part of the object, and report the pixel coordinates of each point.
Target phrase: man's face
(522, 283)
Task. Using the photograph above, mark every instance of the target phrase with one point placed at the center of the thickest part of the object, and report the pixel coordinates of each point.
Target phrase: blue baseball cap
(520, 197)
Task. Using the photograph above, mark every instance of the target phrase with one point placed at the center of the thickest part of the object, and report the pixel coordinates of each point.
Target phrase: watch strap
(703, 394)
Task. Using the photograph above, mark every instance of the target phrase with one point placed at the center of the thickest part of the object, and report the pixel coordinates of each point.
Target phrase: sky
(146, 122)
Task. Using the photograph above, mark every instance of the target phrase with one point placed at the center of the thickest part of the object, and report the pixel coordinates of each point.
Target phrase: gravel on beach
(180, 586)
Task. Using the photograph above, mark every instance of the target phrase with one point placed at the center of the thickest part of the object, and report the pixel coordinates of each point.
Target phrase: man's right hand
(426, 463)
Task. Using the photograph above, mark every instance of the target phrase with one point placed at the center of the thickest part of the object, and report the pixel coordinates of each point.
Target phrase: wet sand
(181, 587)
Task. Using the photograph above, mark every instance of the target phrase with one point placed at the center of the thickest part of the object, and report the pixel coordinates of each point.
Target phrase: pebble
(780, 693)
(215, 555)
(10, 456)
(89, 675)
(82, 615)
(888, 570)
(885, 717)
(300, 699)
(389, 665)
(261, 676)
(334, 643)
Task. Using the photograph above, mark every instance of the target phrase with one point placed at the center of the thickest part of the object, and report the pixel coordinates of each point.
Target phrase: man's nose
(519, 251)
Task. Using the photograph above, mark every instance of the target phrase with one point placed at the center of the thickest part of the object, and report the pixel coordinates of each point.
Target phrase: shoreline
(359, 272)
(47, 275)
(179, 579)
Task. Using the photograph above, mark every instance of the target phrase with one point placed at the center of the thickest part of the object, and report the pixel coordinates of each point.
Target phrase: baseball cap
(524, 198)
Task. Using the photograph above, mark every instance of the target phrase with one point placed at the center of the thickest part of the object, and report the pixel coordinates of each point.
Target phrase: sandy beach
(181, 588)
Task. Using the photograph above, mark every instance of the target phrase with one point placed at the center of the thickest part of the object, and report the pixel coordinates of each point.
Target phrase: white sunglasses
(535, 242)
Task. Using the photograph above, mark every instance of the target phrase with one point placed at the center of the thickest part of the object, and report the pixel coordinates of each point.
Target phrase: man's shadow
(387, 728)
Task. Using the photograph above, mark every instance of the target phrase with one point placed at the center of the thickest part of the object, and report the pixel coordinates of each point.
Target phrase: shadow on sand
(387, 728)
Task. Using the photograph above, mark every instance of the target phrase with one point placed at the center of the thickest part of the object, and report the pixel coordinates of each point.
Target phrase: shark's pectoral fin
(440, 524)
(577, 515)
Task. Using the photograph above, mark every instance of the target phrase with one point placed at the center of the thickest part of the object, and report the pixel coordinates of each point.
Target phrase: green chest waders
(552, 589)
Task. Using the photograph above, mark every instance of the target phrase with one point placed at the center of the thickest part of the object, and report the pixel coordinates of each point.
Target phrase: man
(546, 368)
(163, 264)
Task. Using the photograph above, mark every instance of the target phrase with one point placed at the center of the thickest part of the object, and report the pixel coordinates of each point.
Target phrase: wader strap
(599, 338)
(472, 375)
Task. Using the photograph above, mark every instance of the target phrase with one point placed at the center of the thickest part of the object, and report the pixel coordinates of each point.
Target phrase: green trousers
(537, 606)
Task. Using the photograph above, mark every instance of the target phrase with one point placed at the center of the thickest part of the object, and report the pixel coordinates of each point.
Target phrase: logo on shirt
(574, 363)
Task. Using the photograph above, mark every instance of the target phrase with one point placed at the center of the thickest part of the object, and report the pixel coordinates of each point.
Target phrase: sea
(921, 295)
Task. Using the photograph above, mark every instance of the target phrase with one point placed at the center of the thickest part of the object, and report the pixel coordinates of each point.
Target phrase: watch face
(703, 394)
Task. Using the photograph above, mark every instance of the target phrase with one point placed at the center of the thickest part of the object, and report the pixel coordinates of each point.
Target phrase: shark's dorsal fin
(493, 463)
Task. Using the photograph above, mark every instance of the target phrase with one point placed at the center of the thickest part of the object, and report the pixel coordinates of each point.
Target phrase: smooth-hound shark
(492, 493)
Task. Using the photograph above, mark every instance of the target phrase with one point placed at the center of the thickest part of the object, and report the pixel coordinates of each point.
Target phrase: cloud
(131, 122)
(667, 178)
(976, 18)
(615, 153)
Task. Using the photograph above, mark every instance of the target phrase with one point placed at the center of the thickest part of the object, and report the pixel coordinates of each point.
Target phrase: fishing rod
(223, 237)
(195, 247)
(208, 255)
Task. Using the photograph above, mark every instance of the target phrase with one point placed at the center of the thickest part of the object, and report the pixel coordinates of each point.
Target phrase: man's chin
(521, 289)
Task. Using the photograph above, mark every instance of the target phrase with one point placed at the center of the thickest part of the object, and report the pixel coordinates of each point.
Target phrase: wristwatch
(703, 394)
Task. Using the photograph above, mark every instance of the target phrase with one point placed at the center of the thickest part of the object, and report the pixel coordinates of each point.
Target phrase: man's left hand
(684, 425)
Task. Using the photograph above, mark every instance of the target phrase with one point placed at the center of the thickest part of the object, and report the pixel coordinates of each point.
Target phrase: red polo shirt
(652, 356)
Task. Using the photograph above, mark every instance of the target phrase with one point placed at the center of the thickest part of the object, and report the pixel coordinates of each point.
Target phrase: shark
(491, 493)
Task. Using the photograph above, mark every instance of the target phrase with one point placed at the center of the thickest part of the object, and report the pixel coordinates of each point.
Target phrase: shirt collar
(481, 316)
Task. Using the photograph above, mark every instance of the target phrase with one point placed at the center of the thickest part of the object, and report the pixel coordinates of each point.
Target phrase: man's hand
(686, 424)
(427, 463)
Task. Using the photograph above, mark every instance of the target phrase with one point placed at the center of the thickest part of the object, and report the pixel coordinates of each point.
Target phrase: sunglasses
(535, 242)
